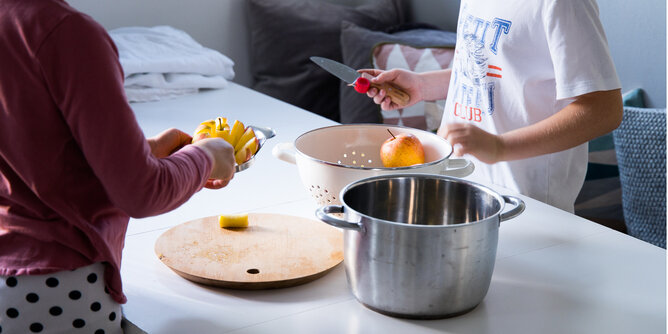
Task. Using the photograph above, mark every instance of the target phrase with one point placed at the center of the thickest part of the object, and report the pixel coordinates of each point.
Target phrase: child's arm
(589, 116)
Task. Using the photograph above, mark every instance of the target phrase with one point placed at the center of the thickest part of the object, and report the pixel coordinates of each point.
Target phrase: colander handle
(323, 214)
(285, 152)
(459, 168)
(514, 212)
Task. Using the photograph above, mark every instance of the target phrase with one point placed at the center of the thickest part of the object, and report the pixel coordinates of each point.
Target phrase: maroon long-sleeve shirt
(74, 164)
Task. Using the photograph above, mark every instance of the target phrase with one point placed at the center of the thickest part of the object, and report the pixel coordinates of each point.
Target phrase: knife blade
(347, 74)
(339, 70)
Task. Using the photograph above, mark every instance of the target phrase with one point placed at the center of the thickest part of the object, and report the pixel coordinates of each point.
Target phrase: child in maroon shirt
(74, 164)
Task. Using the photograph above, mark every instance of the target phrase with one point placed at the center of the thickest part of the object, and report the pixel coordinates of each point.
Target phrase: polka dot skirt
(63, 302)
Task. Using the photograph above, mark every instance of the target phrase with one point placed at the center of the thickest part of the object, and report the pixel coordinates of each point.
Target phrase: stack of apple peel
(241, 137)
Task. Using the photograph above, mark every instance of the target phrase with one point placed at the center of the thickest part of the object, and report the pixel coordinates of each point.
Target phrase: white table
(555, 272)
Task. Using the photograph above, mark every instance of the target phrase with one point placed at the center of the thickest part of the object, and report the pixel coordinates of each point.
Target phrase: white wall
(636, 30)
(216, 24)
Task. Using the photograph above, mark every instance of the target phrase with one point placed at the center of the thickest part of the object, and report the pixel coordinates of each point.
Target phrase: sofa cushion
(285, 33)
(417, 49)
(640, 144)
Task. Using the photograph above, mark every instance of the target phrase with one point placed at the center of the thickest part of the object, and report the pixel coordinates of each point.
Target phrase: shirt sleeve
(80, 64)
(579, 48)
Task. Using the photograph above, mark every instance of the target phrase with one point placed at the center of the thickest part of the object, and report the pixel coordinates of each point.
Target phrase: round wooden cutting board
(274, 251)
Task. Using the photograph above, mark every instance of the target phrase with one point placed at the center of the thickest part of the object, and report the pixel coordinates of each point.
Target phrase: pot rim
(486, 189)
(405, 168)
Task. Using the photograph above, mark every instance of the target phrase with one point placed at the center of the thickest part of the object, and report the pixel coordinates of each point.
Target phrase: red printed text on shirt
(467, 113)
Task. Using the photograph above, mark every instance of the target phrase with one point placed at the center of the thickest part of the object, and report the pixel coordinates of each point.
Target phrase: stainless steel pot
(419, 245)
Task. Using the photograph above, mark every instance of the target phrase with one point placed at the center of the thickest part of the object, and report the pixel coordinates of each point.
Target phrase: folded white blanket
(147, 94)
(162, 61)
(176, 80)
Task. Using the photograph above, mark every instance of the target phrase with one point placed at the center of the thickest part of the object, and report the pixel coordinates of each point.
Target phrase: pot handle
(323, 214)
(459, 168)
(514, 212)
(285, 152)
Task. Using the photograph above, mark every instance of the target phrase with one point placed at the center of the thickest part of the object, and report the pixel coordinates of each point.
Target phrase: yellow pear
(404, 149)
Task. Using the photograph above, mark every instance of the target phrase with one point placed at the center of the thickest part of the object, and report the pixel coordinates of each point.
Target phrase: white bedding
(163, 62)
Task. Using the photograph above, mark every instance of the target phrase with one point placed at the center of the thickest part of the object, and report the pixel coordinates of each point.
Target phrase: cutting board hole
(253, 271)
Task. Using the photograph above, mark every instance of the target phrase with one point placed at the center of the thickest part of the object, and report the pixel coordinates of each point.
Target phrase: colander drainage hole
(253, 271)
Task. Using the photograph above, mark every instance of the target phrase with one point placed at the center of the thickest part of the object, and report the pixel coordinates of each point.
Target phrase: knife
(360, 83)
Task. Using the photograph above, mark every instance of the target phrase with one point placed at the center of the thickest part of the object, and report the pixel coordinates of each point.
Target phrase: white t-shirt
(518, 62)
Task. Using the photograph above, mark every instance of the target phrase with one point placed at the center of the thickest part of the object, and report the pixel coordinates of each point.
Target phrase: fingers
(388, 104)
(222, 157)
(379, 76)
(453, 133)
(184, 138)
(380, 97)
(216, 183)
(458, 150)
(179, 139)
(469, 139)
(389, 78)
(168, 142)
(461, 136)
(370, 71)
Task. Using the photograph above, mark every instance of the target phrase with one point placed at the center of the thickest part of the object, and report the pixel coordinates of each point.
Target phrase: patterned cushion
(358, 47)
(423, 115)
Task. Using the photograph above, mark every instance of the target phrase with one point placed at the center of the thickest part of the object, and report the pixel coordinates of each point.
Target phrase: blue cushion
(634, 98)
(640, 143)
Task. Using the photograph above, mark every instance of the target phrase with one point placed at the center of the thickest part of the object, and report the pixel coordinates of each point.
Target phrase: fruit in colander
(402, 150)
(242, 138)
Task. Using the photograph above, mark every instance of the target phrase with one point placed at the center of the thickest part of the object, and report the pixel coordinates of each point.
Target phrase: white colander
(330, 158)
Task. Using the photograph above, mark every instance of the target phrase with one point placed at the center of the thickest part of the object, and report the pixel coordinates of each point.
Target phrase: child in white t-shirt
(531, 83)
